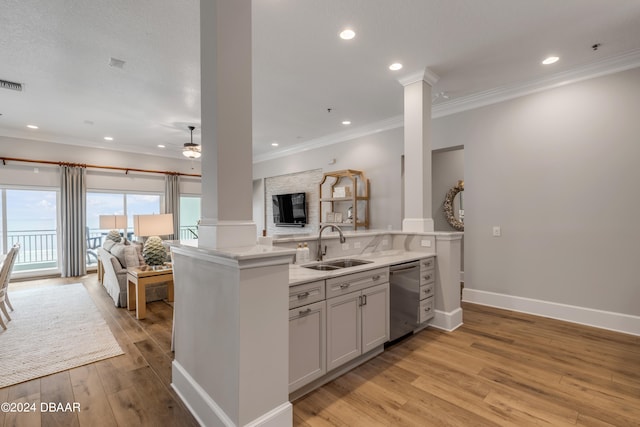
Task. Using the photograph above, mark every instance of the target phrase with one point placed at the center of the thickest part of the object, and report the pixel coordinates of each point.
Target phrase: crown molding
(598, 69)
(493, 96)
(427, 75)
(334, 138)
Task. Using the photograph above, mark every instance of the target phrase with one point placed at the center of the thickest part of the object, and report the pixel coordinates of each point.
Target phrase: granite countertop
(299, 274)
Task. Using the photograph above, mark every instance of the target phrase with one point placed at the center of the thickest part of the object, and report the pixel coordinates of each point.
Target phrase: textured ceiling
(60, 50)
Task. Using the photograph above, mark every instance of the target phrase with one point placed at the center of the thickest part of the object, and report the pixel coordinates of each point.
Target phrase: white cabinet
(307, 340)
(356, 323)
(375, 317)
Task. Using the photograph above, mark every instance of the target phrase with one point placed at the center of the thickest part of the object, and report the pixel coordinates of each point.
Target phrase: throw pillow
(108, 244)
(138, 247)
(118, 251)
(131, 256)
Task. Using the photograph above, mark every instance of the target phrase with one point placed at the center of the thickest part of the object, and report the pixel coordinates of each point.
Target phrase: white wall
(23, 174)
(378, 155)
(557, 170)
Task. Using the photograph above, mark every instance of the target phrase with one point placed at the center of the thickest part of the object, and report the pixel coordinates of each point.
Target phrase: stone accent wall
(303, 182)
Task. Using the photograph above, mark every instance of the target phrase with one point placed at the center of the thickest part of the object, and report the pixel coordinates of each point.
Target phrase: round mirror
(453, 207)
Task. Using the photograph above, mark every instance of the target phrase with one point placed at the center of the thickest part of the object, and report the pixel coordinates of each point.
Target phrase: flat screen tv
(289, 210)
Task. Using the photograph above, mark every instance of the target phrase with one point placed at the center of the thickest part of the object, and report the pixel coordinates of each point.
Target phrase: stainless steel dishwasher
(404, 280)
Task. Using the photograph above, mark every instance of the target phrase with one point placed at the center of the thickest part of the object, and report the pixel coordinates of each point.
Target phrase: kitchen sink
(347, 262)
(321, 267)
(337, 264)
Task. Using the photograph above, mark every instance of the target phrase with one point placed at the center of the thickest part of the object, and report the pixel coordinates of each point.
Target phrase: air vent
(11, 85)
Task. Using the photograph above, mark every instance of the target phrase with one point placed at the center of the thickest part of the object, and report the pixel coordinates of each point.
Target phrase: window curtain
(172, 202)
(73, 209)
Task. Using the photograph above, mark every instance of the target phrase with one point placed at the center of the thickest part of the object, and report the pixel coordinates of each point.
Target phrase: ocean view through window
(29, 217)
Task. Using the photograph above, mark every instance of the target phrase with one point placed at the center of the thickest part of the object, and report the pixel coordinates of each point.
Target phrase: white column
(227, 164)
(231, 359)
(417, 152)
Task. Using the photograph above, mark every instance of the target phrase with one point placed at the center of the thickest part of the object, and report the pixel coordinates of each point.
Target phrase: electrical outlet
(345, 246)
(426, 243)
(497, 232)
(357, 245)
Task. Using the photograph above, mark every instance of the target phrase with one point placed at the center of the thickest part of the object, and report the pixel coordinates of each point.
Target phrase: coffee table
(137, 280)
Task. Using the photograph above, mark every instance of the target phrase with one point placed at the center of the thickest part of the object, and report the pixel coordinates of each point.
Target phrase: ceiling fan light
(191, 150)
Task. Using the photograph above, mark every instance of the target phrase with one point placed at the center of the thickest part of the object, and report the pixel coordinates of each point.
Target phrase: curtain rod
(84, 165)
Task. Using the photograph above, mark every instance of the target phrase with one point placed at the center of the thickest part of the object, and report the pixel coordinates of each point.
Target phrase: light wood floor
(128, 390)
(500, 368)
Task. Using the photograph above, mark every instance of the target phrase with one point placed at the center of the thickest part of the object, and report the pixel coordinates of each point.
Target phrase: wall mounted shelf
(342, 193)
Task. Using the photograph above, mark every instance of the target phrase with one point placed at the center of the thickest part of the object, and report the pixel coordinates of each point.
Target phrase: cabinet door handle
(303, 295)
(364, 297)
(360, 301)
(304, 312)
(345, 285)
(376, 277)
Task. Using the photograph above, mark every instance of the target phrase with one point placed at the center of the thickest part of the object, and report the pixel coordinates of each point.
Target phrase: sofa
(115, 258)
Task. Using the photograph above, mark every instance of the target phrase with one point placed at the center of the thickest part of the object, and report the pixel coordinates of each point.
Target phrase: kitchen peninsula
(232, 314)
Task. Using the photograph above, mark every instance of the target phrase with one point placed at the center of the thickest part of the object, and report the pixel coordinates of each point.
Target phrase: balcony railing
(39, 248)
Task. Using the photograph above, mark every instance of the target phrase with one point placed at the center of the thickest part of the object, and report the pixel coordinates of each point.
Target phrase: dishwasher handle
(403, 269)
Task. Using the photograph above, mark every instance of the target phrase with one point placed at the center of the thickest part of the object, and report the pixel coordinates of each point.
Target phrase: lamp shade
(153, 225)
(113, 222)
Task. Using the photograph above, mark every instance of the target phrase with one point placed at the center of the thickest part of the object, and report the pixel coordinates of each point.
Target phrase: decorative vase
(114, 235)
(154, 252)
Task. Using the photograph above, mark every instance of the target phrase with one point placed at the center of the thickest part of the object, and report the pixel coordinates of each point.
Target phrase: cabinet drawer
(356, 281)
(427, 277)
(427, 264)
(427, 310)
(426, 291)
(306, 293)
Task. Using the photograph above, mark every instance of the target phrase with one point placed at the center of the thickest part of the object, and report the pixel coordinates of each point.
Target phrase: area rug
(53, 328)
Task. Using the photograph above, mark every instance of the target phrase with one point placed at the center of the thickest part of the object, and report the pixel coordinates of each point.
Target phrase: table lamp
(153, 226)
(113, 223)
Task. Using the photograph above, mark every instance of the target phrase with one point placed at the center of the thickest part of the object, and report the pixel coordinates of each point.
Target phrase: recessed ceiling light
(108, 138)
(160, 146)
(347, 34)
(395, 66)
(32, 126)
(274, 144)
(550, 60)
(346, 122)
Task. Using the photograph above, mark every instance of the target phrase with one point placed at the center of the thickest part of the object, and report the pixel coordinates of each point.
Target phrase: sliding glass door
(29, 217)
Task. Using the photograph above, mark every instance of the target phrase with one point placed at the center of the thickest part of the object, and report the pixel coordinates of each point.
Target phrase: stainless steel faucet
(322, 252)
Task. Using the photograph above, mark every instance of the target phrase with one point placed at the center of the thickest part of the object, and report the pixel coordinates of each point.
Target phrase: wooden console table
(137, 280)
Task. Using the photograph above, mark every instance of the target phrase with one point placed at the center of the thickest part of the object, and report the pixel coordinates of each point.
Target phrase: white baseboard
(207, 412)
(277, 417)
(448, 321)
(618, 322)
